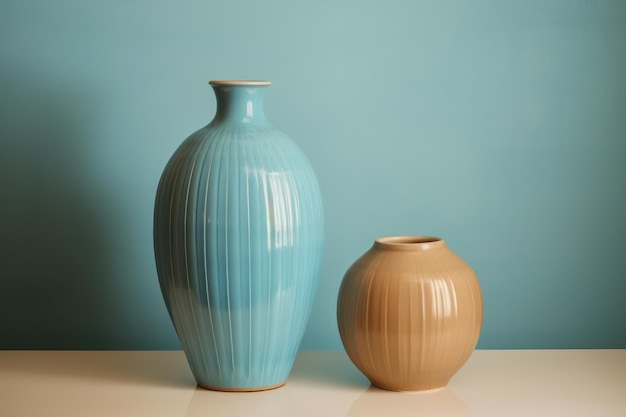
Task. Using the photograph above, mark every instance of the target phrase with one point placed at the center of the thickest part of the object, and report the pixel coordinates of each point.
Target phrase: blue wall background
(499, 126)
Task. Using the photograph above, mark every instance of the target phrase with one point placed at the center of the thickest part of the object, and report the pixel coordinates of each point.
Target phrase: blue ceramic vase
(238, 235)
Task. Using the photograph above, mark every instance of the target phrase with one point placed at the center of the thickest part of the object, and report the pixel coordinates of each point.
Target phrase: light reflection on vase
(376, 402)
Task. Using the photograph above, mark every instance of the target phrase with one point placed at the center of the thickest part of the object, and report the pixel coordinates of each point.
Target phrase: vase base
(250, 389)
(410, 389)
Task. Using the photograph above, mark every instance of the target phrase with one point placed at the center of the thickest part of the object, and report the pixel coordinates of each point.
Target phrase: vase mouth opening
(232, 83)
(409, 243)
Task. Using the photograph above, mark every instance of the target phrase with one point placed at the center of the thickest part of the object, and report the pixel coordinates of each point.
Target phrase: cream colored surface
(492, 383)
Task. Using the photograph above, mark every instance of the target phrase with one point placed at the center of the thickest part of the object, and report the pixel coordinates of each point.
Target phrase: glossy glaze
(238, 241)
(409, 313)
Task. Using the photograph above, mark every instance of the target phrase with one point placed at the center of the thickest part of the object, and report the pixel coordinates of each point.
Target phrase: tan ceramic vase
(409, 313)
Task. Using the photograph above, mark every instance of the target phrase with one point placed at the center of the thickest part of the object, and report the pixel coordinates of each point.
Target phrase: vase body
(238, 241)
(409, 313)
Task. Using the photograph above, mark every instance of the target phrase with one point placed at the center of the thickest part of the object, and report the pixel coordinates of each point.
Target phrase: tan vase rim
(409, 243)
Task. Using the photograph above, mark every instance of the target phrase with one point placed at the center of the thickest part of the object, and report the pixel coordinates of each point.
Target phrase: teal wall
(497, 125)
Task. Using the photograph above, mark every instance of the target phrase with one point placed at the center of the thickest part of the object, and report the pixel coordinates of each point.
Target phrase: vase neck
(240, 102)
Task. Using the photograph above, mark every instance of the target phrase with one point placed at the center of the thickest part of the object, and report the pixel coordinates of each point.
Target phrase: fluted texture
(238, 241)
(409, 313)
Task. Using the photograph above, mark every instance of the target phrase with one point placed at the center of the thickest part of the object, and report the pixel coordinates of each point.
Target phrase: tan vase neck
(409, 243)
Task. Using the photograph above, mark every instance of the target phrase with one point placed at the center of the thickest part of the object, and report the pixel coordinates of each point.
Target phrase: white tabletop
(322, 384)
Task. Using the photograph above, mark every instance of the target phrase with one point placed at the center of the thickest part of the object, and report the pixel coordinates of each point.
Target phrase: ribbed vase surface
(409, 313)
(238, 241)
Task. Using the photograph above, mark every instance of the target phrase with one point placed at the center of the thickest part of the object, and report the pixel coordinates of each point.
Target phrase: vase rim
(239, 82)
(409, 242)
